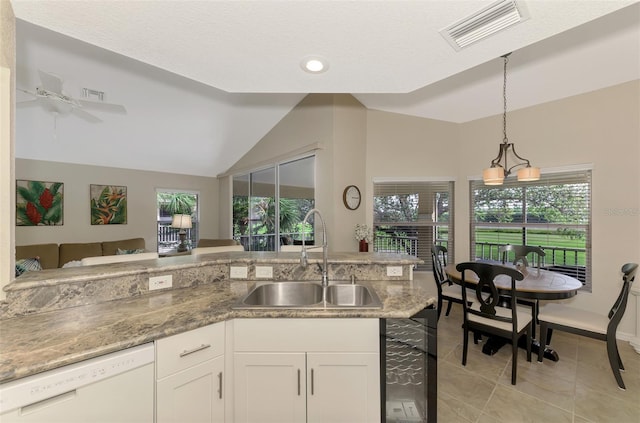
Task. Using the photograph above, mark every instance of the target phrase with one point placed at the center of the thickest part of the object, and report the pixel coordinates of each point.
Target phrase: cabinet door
(269, 387)
(193, 395)
(343, 387)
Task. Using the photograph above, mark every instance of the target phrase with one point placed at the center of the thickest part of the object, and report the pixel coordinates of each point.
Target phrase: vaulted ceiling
(203, 81)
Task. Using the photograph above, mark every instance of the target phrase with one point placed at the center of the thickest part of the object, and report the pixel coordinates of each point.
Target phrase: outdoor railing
(396, 244)
(558, 259)
(168, 237)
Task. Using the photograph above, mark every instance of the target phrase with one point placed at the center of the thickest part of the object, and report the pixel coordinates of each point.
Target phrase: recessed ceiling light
(314, 64)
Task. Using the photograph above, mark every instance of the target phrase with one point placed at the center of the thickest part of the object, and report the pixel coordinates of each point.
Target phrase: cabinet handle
(311, 381)
(220, 385)
(298, 382)
(200, 348)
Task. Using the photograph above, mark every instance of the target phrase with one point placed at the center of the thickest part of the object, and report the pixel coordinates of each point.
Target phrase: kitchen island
(88, 312)
(65, 318)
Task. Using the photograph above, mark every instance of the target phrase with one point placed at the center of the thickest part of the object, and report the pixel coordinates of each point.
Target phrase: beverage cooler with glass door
(408, 378)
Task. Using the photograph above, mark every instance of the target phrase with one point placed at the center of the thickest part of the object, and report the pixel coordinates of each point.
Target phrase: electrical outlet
(394, 270)
(264, 272)
(160, 282)
(238, 272)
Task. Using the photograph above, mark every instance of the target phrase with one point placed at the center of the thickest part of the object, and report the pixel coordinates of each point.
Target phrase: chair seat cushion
(524, 317)
(568, 316)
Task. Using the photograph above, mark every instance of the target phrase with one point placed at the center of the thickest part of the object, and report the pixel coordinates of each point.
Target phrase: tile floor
(579, 388)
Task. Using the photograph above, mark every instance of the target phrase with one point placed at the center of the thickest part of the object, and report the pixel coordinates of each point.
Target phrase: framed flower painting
(108, 204)
(39, 203)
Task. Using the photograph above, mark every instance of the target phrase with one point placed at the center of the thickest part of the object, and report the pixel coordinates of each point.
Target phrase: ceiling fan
(50, 96)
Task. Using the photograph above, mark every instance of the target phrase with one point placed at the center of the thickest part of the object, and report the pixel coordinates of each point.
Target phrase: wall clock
(351, 197)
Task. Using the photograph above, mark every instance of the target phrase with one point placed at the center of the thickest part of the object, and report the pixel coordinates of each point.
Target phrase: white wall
(7, 142)
(141, 202)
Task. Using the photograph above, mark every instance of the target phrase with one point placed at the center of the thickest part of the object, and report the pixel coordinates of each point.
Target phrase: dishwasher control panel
(32, 389)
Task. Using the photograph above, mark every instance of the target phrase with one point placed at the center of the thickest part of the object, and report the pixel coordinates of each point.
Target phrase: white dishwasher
(114, 388)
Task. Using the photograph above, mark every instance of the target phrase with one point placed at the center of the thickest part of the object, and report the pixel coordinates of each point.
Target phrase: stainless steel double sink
(309, 295)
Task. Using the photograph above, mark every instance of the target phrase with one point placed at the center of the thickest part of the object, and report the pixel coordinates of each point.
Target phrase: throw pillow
(27, 265)
(132, 251)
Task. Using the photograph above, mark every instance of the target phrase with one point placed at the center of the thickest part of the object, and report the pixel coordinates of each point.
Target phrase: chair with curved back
(591, 324)
(521, 254)
(485, 315)
(447, 290)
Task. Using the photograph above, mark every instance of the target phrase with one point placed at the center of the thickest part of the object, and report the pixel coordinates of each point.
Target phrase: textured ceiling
(225, 72)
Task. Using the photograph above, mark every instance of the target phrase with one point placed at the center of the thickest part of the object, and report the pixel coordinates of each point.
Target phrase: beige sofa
(54, 255)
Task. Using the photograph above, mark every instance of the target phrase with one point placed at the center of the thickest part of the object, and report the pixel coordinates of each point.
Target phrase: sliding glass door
(269, 205)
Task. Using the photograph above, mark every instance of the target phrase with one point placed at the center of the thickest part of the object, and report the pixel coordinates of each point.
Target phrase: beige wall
(334, 125)
(141, 202)
(601, 129)
(7, 141)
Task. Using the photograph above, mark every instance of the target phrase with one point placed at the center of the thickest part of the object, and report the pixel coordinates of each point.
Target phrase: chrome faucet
(303, 253)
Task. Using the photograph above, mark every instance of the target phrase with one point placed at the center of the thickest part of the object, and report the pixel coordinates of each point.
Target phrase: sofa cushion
(48, 254)
(203, 242)
(77, 251)
(118, 258)
(110, 248)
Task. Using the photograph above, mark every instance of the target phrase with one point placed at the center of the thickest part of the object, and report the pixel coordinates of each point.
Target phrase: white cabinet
(270, 387)
(190, 376)
(306, 370)
(343, 387)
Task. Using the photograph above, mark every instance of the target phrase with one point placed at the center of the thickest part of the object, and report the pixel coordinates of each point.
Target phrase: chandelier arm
(502, 153)
(524, 161)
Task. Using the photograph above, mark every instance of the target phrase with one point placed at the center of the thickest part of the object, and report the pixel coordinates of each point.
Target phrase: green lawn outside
(537, 238)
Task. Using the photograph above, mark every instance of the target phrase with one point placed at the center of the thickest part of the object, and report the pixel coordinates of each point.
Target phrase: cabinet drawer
(187, 349)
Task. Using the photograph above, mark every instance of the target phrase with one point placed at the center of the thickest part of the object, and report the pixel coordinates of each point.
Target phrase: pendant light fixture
(500, 168)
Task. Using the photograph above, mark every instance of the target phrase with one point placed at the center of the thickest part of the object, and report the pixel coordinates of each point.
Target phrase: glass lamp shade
(529, 174)
(493, 176)
(182, 221)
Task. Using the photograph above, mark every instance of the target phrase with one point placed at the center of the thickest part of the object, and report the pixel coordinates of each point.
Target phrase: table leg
(494, 343)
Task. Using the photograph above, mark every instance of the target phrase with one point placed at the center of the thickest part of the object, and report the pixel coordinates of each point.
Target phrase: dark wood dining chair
(485, 315)
(521, 254)
(591, 324)
(447, 290)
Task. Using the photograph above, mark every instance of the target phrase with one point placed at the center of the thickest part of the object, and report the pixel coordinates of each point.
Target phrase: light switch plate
(264, 272)
(160, 282)
(238, 272)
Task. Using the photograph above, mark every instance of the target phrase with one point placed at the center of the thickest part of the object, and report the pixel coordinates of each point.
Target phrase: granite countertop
(36, 343)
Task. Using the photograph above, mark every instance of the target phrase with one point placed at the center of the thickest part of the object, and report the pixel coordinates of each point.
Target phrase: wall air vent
(494, 18)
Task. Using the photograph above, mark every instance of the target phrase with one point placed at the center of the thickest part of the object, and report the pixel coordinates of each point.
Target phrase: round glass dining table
(538, 284)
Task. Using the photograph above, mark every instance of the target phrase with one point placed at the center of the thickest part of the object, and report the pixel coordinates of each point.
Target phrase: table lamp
(182, 221)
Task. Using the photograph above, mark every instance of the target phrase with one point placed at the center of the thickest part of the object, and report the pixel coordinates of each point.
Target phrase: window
(553, 213)
(170, 202)
(409, 217)
(270, 204)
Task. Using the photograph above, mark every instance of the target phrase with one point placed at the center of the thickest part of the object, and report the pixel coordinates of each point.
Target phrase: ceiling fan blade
(51, 82)
(85, 115)
(107, 107)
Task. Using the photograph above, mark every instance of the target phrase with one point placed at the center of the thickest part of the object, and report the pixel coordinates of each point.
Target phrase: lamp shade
(182, 221)
(493, 176)
(529, 174)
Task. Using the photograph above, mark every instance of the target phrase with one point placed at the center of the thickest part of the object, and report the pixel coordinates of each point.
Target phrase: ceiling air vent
(494, 18)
